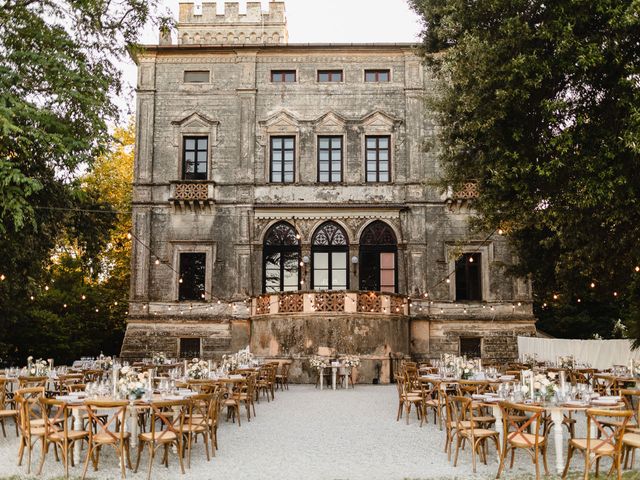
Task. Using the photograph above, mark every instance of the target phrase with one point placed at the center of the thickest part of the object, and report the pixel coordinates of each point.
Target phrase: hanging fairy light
(2, 277)
(46, 288)
(157, 262)
(84, 297)
(129, 236)
(593, 285)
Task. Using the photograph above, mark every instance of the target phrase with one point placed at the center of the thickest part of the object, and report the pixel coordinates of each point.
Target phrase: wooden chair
(58, 431)
(167, 424)
(282, 378)
(5, 412)
(232, 404)
(607, 444)
(245, 394)
(197, 422)
(607, 385)
(198, 385)
(518, 422)
(107, 429)
(31, 425)
(65, 381)
(214, 415)
(631, 436)
(32, 382)
(515, 373)
(411, 396)
(92, 375)
(461, 412)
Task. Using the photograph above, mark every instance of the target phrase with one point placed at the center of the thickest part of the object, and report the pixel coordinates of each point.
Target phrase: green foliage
(540, 104)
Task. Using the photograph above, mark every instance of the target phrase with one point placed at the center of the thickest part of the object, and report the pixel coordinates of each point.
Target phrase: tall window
(468, 279)
(330, 251)
(329, 76)
(280, 259)
(192, 276)
(283, 76)
(283, 159)
(329, 159)
(378, 162)
(194, 158)
(377, 75)
(378, 258)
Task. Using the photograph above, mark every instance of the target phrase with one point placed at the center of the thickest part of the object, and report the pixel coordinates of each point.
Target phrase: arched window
(330, 251)
(281, 259)
(378, 258)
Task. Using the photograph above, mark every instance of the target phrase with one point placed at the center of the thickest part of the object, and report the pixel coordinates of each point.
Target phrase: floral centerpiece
(197, 369)
(540, 384)
(159, 359)
(37, 368)
(244, 357)
(229, 362)
(449, 361)
(467, 369)
(131, 383)
(567, 362)
(318, 363)
(103, 362)
(350, 361)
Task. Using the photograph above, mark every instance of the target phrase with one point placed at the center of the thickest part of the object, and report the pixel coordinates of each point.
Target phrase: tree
(59, 70)
(540, 105)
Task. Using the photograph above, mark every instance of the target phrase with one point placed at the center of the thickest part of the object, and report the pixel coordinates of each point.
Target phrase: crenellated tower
(200, 24)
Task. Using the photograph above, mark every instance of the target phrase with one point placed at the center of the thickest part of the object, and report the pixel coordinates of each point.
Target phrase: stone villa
(284, 198)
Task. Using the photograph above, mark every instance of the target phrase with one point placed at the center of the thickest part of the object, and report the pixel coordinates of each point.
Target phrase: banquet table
(556, 412)
(334, 375)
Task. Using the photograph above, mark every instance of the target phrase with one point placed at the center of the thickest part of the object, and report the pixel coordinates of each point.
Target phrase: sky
(323, 21)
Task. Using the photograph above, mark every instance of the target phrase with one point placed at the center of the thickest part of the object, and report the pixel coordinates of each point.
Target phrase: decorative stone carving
(191, 191)
(467, 192)
(369, 302)
(329, 302)
(291, 303)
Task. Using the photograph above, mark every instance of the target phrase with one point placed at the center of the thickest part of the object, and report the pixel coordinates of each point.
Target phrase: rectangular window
(378, 159)
(471, 347)
(330, 271)
(283, 76)
(329, 76)
(468, 279)
(377, 75)
(194, 158)
(388, 272)
(196, 76)
(283, 159)
(193, 267)
(190, 348)
(329, 159)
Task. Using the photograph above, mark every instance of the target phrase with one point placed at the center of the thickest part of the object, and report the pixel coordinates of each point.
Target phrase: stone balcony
(189, 195)
(333, 302)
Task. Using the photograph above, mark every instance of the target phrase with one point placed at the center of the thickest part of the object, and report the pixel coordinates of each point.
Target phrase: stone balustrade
(331, 302)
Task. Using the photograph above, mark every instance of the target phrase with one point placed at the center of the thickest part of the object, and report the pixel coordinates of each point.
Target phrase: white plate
(600, 401)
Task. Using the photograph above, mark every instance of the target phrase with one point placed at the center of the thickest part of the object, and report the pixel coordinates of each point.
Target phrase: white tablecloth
(598, 353)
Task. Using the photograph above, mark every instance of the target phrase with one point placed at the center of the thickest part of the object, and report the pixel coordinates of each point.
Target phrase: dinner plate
(601, 401)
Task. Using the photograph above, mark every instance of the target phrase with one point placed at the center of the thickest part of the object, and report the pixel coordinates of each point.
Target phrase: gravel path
(312, 435)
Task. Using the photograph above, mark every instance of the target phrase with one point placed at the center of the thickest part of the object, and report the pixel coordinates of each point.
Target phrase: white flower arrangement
(230, 362)
(103, 363)
(567, 362)
(318, 363)
(159, 359)
(467, 369)
(38, 368)
(131, 383)
(350, 361)
(197, 369)
(543, 384)
(233, 361)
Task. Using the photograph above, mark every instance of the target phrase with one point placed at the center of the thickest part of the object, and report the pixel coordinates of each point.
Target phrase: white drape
(598, 353)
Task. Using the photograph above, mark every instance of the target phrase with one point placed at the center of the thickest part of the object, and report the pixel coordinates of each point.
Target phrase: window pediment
(195, 123)
(379, 122)
(330, 123)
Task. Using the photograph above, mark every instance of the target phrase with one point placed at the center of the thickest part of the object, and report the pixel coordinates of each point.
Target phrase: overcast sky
(326, 21)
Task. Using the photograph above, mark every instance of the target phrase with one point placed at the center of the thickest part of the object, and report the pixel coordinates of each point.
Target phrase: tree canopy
(540, 105)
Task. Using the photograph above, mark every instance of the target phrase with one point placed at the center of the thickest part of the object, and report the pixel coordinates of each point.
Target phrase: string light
(84, 297)
(615, 294)
(157, 261)
(555, 296)
(129, 236)
(637, 270)
(115, 303)
(579, 300)
(500, 231)
(180, 281)
(97, 310)
(32, 297)
(448, 280)
(593, 285)
(64, 306)
(46, 288)
(2, 277)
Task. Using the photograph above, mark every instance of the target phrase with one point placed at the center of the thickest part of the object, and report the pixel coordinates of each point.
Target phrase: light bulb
(115, 303)
(593, 285)
(2, 277)
(470, 259)
(157, 261)
(426, 295)
(128, 236)
(637, 270)
(180, 281)
(97, 310)
(46, 288)
(84, 297)
(64, 306)
(448, 280)
(519, 304)
(615, 294)
(500, 231)
(579, 300)
(555, 296)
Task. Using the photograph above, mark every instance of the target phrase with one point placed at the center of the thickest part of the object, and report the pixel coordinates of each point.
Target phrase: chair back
(197, 385)
(27, 400)
(459, 411)
(55, 416)
(609, 433)
(518, 420)
(199, 409)
(108, 429)
(470, 387)
(92, 375)
(631, 399)
(4, 384)
(167, 418)
(32, 382)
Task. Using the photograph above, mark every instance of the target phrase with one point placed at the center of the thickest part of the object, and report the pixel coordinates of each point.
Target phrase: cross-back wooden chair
(197, 385)
(167, 424)
(465, 428)
(92, 375)
(106, 426)
(282, 378)
(607, 444)
(606, 385)
(245, 394)
(518, 421)
(468, 388)
(32, 382)
(631, 438)
(197, 422)
(5, 412)
(58, 431)
(65, 381)
(31, 426)
(214, 414)
(413, 396)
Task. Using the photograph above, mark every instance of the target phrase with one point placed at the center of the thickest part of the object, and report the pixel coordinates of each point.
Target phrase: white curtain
(598, 353)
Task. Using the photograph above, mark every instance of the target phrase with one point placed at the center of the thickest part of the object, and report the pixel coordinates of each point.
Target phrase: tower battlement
(199, 23)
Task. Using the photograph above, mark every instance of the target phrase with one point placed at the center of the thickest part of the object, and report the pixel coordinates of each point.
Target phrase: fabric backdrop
(598, 353)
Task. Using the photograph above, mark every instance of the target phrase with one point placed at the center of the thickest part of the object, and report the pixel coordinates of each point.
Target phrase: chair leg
(86, 462)
(140, 446)
(502, 459)
(568, 462)
(473, 454)
(455, 457)
(45, 447)
(180, 447)
(152, 452)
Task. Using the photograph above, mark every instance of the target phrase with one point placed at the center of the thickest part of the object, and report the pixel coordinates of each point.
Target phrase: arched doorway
(281, 259)
(330, 252)
(379, 258)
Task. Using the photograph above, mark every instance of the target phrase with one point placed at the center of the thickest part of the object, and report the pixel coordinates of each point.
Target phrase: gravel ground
(309, 434)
